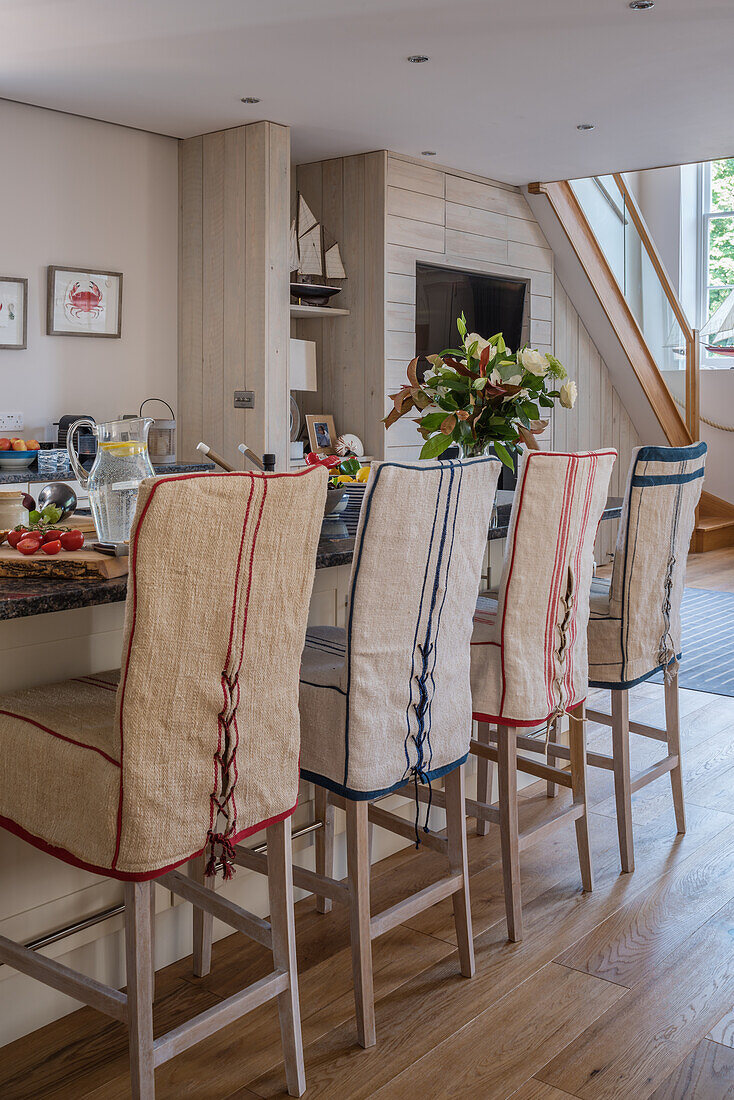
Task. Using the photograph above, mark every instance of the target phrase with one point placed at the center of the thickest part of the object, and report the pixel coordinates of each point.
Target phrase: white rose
(475, 338)
(568, 393)
(495, 377)
(534, 362)
(515, 380)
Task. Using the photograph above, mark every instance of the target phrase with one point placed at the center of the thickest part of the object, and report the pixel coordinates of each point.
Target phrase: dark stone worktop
(19, 598)
(31, 475)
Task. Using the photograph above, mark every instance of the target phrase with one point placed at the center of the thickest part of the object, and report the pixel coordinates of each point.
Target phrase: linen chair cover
(528, 652)
(200, 741)
(634, 628)
(388, 698)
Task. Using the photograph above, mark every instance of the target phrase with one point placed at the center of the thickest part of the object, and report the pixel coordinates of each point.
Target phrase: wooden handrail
(583, 240)
(655, 258)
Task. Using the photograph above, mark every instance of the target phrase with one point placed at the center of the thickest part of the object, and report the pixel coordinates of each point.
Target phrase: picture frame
(13, 313)
(321, 433)
(83, 301)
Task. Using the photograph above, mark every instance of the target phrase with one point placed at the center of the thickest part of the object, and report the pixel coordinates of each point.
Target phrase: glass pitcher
(121, 463)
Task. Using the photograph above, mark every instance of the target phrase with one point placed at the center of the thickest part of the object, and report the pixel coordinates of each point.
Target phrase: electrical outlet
(10, 422)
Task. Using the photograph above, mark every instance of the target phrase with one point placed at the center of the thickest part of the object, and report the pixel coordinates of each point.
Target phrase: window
(718, 244)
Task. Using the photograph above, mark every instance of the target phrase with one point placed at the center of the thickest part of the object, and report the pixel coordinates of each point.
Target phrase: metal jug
(121, 463)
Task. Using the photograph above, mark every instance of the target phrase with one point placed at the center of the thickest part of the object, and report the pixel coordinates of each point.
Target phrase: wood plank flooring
(622, 994)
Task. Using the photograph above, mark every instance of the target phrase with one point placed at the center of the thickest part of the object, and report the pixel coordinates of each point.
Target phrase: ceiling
(506, 85)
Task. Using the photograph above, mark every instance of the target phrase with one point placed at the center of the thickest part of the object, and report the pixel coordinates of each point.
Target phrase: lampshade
(303, 365)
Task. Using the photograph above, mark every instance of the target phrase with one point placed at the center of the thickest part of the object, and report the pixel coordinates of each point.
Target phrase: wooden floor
(623, 993)
(714, 570)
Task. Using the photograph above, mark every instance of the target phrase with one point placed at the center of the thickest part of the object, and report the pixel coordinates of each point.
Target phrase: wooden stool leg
(358, 870)
(282, 922)
(507, 773)
(672, 726)
(577, 742)
(458, 865)
(139, 989)
(152, 931)
(484, 778)
(203, 922)
(622, 792)
(324, 843)
(551, 788)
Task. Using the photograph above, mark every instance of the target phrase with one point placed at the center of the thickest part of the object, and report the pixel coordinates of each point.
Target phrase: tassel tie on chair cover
(666, 650)
(418, 771)
(223, 804)
(561, 653)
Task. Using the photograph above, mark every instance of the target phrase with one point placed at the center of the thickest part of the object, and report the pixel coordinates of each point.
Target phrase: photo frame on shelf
(13, 313)
(321, 433)
(84, 302)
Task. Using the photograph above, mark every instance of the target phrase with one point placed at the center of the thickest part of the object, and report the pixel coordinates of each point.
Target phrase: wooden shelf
(317, 311)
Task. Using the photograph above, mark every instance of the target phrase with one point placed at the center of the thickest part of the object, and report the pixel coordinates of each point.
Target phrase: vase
(473, 449)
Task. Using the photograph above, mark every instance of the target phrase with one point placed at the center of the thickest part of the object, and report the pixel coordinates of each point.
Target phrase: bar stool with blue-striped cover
(635, 624)
(386, 703)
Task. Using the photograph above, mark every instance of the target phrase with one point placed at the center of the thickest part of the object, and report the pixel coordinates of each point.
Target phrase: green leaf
(502, 454)
(480, 383)
(431, 422)
(435, 446)
(531, 410)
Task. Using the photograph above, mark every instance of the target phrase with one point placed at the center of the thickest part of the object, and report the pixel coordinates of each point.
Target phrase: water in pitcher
(121, 463)
(113, 491)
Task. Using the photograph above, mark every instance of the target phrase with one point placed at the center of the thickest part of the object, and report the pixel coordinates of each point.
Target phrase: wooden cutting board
(85, 564)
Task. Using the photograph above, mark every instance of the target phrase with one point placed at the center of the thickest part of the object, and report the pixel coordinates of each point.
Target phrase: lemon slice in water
(127, 449)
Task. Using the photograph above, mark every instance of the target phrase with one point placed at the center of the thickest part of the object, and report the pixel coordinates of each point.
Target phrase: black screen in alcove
(490, 304)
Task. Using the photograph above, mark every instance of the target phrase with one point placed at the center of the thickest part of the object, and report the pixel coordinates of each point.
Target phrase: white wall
(78, 192)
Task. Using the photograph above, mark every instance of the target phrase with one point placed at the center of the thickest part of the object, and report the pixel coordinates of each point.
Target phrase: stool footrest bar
(90, 992)
(219, 907)
(649, 775)
(416, 903)
(218, 1016)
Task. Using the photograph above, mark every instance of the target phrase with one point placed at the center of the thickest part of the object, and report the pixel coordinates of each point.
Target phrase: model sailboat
(310, 260)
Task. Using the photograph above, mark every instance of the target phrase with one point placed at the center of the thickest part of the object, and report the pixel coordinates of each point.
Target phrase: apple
(33, 445)
(5, 444)
(19, 445)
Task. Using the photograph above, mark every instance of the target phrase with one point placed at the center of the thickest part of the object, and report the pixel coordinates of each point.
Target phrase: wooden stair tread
(714, 523)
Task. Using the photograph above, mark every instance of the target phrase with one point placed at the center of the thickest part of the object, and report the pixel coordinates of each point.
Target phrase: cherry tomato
(28, 546)
(72, 540)
(14, 537)
(51, 547)
(52, 535)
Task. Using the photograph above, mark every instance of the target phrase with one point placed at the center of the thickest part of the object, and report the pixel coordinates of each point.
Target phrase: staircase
(607, 232)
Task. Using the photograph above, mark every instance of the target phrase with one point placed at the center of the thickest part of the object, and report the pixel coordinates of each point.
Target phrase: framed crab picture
(13, 313)
(84, 302)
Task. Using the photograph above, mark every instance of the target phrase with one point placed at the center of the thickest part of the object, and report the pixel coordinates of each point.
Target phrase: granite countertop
(31, 475)
(19, 598)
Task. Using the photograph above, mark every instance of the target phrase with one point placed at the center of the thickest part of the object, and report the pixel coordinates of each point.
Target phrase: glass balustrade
(606, 211)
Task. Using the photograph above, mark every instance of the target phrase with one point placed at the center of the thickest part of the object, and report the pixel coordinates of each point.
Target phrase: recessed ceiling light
(249, 99)
(642, 5)
(418, 58)
(428, 152)
(585, 126)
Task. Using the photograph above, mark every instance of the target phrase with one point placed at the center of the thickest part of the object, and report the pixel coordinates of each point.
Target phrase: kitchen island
(19, 598)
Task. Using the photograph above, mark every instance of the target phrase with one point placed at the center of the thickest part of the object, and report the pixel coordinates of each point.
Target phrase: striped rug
(708, 637)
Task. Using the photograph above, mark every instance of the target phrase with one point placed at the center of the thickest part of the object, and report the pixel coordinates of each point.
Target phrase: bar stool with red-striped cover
(196, 749)
(528, 650)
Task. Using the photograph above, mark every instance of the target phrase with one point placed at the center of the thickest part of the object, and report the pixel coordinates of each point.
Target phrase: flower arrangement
(480, 394)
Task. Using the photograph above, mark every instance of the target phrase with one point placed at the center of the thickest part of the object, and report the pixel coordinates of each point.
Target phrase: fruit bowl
(17, 460)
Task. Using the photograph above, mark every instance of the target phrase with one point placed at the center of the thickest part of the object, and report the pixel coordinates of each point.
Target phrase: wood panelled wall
(453, 220)
(348, 195)
(599, 419)
(234, 196)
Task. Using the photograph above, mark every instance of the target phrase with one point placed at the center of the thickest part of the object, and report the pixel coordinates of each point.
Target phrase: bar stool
(635, 628)
(197, 748)
(528, 650)
(386, 703)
